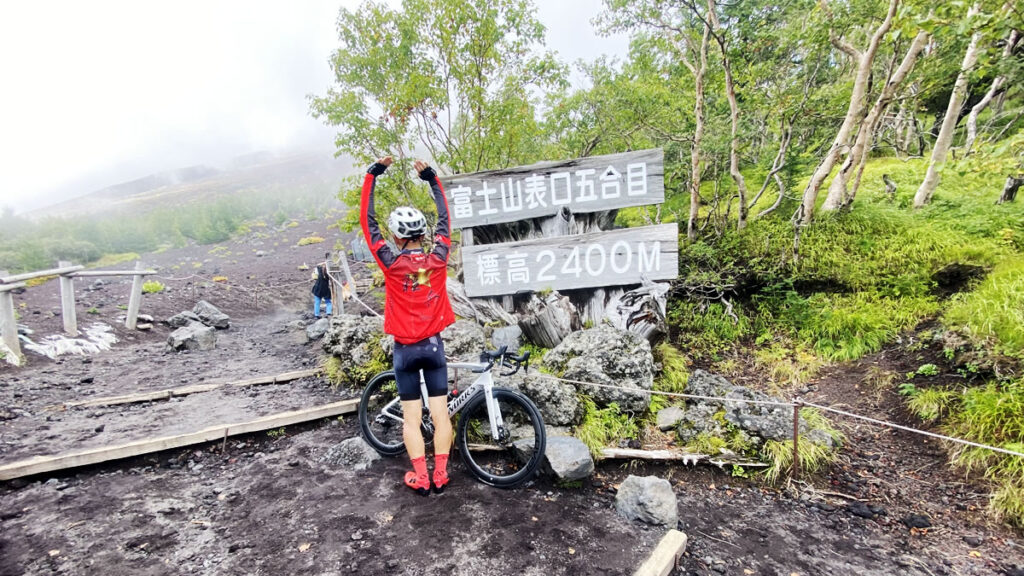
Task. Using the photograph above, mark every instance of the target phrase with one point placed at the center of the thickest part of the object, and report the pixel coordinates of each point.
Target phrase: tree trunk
(698, 135)
(854, 113)
(1013, 183)
(997, 84)
(859, 155)
(945, 137)
(734, 117)
(548, 320)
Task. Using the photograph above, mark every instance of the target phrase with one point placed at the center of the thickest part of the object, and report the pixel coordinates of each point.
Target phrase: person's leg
(408, 382)
(442, 440)
(412, 419)
(316, 306)
(328, 306)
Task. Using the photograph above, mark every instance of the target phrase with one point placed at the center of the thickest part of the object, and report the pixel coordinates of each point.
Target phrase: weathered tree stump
(1013, 183)
(890, 188)
(547, 320)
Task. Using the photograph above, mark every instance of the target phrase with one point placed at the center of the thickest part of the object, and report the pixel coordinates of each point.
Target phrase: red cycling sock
(441, 463)
(419, 466)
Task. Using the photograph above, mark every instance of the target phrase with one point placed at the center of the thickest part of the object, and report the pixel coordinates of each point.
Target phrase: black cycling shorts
(426, 355)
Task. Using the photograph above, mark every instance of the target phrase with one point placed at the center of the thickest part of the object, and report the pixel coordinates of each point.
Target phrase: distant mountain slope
(258, 172)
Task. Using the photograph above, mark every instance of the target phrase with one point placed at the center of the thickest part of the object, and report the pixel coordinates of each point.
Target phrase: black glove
(428, 174)
(376, 169)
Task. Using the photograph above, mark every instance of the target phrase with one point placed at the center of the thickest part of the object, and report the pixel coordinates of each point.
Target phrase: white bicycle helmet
(407, 222)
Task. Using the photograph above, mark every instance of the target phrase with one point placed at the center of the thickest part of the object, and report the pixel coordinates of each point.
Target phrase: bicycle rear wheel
(514, 456)
(380, 415)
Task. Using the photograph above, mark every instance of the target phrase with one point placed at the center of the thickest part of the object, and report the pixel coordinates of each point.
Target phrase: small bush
(152, 287)
(220, 279)
(310, 240)
(675, 371)
(813, 457)
(603, 427)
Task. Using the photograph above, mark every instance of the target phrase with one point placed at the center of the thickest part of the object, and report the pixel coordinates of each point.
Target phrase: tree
(854, 113)
(456, 79)
(994, 89)
(945, 138)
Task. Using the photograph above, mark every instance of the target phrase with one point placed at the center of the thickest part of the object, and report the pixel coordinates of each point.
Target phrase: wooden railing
(67, 273)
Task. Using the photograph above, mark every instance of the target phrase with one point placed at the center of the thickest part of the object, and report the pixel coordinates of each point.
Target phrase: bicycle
(500, 432)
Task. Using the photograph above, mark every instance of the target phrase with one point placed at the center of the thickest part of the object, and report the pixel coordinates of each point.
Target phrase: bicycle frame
(484, 383)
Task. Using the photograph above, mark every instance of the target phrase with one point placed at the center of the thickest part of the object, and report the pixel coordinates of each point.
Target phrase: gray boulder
(557, 401)
(648, 499)
(194, 336)
(607, 356)
(316, 330)
(209, 314)
(353, 454)
(464, 341)
(183, 319)
(359, 344)
(568, 458)
(510, 336)
(670, 417)
(757, 422)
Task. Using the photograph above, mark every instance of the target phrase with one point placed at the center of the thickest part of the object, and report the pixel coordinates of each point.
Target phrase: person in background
(416, 310)
(321, 287)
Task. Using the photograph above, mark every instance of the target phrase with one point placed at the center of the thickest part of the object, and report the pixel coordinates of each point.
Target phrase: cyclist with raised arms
(416, 310)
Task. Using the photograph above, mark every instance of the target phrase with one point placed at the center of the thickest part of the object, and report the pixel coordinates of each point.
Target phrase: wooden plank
(593, 184)
(11, 287)
(596, 259)
(666, 455)
(666, 555)
(187, 390)
(5, 279)
(42, 464)
(96, 273)
(134, 299)
(288, 376)
(67, 302)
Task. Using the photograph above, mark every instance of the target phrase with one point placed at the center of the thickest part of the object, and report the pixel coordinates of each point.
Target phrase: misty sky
(103, 91)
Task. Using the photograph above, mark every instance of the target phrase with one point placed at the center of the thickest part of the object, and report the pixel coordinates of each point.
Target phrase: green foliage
(675, 371)
(813, 457)
(310, 240)
(992, 315)
(603, 427)
(152, 287)
(929, 404)
(277, 434)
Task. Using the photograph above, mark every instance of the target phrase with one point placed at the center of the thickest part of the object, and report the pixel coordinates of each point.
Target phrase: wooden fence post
(67, 301)
(8, 326)
(135, 300)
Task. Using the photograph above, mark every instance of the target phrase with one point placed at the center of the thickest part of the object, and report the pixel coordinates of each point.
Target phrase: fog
(103, 92)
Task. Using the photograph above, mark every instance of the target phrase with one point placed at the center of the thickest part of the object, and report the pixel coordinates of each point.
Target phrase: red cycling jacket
(416, 302)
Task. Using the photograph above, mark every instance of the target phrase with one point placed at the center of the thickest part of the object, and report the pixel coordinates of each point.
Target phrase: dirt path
(270, 505)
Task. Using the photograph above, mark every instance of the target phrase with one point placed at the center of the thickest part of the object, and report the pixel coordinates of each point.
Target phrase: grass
(675, 369)
(992, 315)
(310, 240)
(602, 427)
(152, 287)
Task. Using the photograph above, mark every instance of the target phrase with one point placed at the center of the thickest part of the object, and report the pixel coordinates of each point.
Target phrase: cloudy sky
(106, 91)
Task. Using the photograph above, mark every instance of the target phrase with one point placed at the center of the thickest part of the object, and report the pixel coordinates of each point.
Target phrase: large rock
(183, 319)
(194, 336)
(670, 417)
(607, 356)
(360, 346)
(558, 403)
(209, 314)
(316, 330)
(353, 454)
(568, 458)
(648, 499)
(464, 341)
(757, 422)
(509, 336)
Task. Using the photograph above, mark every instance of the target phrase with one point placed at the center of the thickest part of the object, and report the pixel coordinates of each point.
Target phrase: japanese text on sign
(584, 185)
(617, 257)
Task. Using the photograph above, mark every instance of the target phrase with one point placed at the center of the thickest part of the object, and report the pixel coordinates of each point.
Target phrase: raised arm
(368, 216)
(443, 232)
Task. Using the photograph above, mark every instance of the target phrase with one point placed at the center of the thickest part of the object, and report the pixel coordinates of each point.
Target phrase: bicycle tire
(512, 460)
(385, 435)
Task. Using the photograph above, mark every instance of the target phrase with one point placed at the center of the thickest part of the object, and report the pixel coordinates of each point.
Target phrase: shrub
(992, 315)
(605, 426)
(310, 240)
(152, 287)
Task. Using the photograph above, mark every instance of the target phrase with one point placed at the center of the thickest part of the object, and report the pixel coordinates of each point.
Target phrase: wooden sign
(583, 185)
(596, 259)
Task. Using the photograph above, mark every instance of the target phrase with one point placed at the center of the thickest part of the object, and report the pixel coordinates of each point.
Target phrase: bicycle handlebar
(505, 360)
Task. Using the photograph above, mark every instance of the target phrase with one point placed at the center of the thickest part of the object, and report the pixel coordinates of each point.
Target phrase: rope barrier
(799, 402)
(674, 394)
(914, 430)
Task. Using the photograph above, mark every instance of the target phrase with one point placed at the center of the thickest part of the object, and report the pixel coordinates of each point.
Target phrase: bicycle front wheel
(513, 456)
(380, 415)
